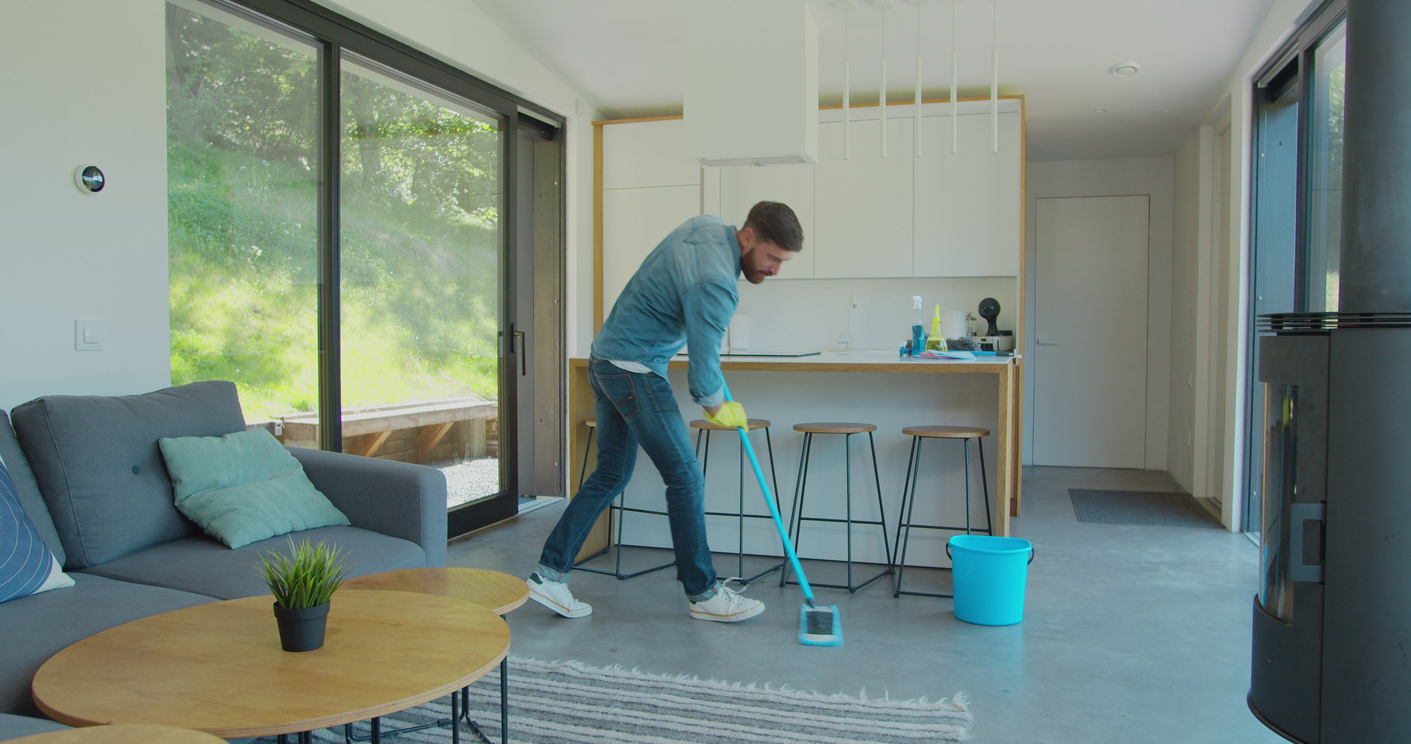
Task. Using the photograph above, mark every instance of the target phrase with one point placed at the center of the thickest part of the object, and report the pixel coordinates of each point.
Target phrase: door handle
(523, 368)
(1048, 342)
(1298, 515)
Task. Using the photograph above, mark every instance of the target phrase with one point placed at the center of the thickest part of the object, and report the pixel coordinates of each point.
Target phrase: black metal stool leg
(796, 511)
(769, 444)
(912, 464)
(881, 511)
(583, 471)
(965, 445)
(847, 458)
(985, 483)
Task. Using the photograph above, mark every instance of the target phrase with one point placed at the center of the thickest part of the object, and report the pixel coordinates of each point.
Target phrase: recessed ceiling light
(1126, 69)
(1100, 111)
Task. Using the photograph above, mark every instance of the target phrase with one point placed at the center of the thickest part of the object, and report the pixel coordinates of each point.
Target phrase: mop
(818, 626)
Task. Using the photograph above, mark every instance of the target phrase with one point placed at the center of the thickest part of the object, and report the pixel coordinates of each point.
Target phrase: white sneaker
(726, 607)
(556, 596)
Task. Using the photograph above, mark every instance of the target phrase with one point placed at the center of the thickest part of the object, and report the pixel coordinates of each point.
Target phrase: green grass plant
(305, 578)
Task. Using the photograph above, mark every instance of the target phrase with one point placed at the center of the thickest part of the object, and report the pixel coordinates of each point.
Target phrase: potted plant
(303, 583)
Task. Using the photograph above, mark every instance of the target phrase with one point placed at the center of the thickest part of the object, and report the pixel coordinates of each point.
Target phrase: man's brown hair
(775, 222)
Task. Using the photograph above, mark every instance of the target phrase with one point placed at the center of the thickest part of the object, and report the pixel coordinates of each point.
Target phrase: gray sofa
(90, 476)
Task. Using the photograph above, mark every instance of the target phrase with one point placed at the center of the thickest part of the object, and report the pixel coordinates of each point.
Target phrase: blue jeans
(637, 409)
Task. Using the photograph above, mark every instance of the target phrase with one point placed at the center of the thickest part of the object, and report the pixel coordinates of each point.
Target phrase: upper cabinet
(942, 214)
(968, 204)
(742, 188)
(863, 201)
(647, 153)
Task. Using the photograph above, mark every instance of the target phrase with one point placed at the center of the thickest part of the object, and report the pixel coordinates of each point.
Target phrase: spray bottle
(918, 337)
(937, 340)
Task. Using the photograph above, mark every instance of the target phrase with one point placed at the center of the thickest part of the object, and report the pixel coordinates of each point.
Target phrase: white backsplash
(812, 313)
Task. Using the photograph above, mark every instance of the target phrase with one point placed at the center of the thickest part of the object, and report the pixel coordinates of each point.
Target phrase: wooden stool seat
(834, 427)
(591, 423)
(946, 432)
(754, 424)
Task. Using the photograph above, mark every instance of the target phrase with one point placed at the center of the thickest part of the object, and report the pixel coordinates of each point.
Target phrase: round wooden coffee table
(495, 591)
(218, 667)
(123, 733)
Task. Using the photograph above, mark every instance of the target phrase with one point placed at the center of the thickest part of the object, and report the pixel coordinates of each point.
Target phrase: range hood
(751, 85)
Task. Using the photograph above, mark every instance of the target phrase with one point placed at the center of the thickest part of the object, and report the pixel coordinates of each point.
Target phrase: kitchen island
(875, 387)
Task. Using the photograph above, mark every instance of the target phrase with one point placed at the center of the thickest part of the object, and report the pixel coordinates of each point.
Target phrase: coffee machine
(993, 339)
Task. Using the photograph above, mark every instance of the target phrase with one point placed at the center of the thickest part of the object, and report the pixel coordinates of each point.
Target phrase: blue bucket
(989, 574)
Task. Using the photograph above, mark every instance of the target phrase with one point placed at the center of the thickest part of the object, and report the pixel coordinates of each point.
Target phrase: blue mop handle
(773, 511)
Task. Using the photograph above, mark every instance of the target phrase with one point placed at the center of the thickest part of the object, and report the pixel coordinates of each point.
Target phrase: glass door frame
(1297, 55)
(333, 33)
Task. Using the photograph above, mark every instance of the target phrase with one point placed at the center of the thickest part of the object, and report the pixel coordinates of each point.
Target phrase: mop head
(820, 626)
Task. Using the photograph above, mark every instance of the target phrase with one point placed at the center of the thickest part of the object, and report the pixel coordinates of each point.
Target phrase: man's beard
(754, 277)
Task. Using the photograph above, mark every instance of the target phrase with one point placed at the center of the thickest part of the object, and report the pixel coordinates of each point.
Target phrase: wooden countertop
(849, 361)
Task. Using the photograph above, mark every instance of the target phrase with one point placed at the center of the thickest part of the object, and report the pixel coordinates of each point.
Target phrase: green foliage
(307, 577)
(419, 229)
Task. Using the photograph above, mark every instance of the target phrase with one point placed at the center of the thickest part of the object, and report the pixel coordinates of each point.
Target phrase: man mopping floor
(684, 294)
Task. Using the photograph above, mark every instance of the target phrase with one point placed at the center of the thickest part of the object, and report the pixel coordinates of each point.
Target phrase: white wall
(1130, 176)
(1198, 266)
(65, 255)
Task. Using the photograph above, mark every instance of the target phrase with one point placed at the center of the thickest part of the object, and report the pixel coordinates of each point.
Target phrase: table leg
(505, 700)
(306, 737)
(377, 731)
(455, 719)
(283, 739)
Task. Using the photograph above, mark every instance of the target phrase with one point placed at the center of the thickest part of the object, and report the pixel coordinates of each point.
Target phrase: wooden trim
(637, 120)
(1019, 335)
(922, 367)
(597, 227)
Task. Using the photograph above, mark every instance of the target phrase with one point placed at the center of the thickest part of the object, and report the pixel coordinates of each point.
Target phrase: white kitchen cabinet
(647, 153)
(863, 205)
(741, 188)
(968, 204)
(634, 222)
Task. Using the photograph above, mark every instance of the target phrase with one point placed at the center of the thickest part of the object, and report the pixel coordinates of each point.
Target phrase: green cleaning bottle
(937, 341)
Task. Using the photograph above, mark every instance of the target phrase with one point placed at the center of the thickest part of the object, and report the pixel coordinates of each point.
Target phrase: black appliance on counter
(1332, 622)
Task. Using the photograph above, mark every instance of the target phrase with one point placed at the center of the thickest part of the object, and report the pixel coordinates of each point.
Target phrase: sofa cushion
(97, 463)
(244, 487)
(39, 626)
(202, 565)
(27, 566)
(25, 487)
(13, 727)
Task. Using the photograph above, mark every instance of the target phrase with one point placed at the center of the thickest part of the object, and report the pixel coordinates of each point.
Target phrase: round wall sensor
(90, 179)
(1126, 70)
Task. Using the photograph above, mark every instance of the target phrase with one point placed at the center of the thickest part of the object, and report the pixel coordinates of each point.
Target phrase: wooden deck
(366, 430)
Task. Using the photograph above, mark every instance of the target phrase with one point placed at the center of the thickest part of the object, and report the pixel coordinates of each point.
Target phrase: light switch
(88, 335)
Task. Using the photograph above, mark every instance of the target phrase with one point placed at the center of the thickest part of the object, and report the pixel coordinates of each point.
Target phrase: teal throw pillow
(244, 487)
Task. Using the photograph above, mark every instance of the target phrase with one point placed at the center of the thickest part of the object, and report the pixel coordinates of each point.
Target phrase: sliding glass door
(347, 215)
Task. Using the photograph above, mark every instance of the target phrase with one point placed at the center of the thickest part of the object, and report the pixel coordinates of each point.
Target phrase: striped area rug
(566, 701)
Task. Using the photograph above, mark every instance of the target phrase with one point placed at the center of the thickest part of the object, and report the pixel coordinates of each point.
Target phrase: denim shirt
(684, 293)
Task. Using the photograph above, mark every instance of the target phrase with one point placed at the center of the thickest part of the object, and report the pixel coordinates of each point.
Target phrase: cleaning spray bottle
(918, 337)
(937, 340)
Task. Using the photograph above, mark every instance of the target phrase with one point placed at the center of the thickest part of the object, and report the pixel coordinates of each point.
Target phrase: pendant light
(847, 6)
(883, 5)
(954, 82)
(994, 76)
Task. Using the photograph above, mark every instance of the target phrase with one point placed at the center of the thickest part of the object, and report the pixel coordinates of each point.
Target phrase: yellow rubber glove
(731, 415)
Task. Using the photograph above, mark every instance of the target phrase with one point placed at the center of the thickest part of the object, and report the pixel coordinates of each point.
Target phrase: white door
(1090, 322)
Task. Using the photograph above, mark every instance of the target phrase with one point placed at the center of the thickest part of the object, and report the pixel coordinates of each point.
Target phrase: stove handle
(1300, 515)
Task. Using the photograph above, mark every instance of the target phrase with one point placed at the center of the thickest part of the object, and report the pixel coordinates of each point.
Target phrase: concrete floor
(1131, 634)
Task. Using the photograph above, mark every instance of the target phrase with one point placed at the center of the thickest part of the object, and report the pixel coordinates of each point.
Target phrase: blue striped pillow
(27, 566)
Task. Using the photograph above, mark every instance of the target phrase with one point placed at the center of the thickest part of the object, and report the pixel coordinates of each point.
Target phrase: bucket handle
(1031, 553)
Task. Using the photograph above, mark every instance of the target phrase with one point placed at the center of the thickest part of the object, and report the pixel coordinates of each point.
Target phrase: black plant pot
(301, 629)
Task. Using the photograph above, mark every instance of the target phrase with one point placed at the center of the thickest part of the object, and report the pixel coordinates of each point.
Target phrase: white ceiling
(624, 56)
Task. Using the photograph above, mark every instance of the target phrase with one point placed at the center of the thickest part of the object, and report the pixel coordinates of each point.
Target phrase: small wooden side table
(497, 592)
(122, 733)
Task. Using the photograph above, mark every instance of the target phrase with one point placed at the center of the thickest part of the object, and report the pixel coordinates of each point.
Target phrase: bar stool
(703, 429)
(621, 507)
(797, 517)
(913, 467)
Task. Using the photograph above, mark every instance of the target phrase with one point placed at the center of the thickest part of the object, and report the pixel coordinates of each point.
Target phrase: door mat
(571, 702)
(1155, 508)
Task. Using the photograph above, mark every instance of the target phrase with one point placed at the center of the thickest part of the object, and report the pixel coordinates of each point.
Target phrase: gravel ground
(468, 480)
